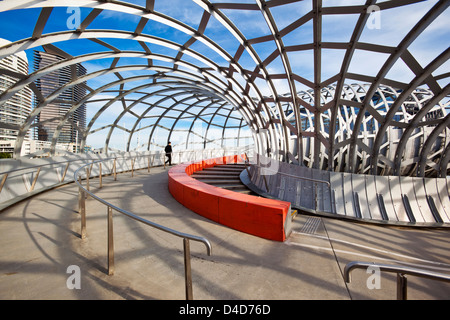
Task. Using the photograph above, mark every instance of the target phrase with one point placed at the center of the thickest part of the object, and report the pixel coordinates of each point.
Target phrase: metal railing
(25, 177)
(36, 170)
(266, 169)
(82, 192)
(15, 184)
(401, 272)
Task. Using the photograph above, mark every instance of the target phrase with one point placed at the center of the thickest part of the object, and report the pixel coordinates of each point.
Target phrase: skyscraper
(14, 111)
(50, 116)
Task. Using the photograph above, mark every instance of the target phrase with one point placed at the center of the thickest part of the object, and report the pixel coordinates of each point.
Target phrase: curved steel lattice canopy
(356, 86)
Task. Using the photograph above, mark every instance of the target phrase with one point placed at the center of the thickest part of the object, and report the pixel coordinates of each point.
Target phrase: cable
(336, 259)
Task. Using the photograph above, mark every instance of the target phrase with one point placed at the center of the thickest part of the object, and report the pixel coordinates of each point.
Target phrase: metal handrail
(6, 174)
(294, 176)
(401, 272)
(42, 165)
(36, 169)
(110, 207)
(161, 154)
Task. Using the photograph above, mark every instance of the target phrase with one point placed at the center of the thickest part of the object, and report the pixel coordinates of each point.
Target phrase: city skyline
(50, 115)
(14, 113)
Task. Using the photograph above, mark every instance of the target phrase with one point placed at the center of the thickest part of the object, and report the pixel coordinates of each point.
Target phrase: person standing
(168, 150)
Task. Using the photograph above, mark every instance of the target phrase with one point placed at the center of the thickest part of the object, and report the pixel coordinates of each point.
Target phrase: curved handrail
(138, 218)
(293, 176)
(399, 270)
(185, 236)
(14, 179)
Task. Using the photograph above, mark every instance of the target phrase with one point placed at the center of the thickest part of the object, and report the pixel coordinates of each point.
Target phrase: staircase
(224, 176)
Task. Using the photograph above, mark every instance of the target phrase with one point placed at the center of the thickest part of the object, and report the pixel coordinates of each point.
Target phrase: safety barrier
(83, 191)
(408, 201)
(265, 218)
(23, 178)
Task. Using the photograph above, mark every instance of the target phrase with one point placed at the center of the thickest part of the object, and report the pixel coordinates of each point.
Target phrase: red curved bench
(265, 218)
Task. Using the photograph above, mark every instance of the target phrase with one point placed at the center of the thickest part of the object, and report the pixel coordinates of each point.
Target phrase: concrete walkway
(39, 240)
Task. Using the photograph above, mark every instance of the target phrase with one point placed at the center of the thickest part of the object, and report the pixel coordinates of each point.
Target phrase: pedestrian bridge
(42, 236)
(290, 80)
(411, 201)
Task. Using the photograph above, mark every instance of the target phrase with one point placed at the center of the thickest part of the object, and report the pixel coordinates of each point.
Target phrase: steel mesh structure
(352, 86)
(402, 139)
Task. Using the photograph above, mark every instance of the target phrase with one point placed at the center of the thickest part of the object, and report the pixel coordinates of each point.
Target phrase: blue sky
(394, 25)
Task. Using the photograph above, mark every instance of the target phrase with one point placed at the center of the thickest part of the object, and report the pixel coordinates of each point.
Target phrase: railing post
(315, 196)
(115, 170)
(65, 171)
(402, 290)
(82, 209)
(35, 179)
(110, 242)
(100, 174)
(88, 173)
(187, 269)
(248, 171)
(5, 176)
(265, 183)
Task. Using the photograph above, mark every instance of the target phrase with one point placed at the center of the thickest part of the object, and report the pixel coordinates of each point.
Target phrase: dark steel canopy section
(353, 86)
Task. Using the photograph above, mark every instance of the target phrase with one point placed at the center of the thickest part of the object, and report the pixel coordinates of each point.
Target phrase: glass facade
(14, 112)
(49, 118)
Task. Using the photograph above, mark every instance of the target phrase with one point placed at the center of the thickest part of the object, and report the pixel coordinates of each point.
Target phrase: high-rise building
(50, 116)
(14, 111)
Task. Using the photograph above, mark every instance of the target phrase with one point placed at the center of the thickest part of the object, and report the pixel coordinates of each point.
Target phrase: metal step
(210, 176)
(224, 176)
(231, 186)
(231, 170)
(215, 173)
(222, 181)
(235, 166)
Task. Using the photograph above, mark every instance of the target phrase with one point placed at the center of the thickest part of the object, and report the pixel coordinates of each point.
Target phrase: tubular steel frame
(327, 123)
